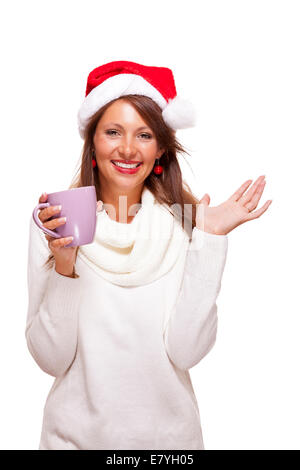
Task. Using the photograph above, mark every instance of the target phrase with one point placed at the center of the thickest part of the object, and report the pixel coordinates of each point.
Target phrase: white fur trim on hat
(177, 113)
(114, 87)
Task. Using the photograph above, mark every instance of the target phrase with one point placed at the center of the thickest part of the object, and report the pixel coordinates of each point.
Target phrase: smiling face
(122, 135)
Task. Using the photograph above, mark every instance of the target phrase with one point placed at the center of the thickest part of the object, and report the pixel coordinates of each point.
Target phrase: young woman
(119, 322)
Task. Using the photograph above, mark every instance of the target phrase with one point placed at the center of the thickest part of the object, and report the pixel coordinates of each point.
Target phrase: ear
(160, 153)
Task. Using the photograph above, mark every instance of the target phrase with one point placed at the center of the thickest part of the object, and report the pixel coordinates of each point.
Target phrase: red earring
(158, 169)
(94, 163)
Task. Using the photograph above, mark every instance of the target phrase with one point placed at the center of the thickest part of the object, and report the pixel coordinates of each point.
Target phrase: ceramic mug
(79, 206)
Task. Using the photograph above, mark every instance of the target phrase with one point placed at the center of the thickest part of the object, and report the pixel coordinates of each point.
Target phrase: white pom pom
(179, 113)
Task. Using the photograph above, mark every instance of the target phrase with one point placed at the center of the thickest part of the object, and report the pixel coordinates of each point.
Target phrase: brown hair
(168, 188)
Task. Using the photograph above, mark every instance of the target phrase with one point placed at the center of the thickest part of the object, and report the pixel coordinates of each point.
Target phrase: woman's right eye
(109, 132)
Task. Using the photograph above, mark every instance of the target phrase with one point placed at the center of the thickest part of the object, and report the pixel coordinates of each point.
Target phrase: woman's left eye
(147, 135)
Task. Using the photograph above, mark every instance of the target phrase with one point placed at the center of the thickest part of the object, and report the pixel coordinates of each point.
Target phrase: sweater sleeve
(53, 304)
(192, 327)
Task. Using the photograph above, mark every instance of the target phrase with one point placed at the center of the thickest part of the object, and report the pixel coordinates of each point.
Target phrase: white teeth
(126, 165)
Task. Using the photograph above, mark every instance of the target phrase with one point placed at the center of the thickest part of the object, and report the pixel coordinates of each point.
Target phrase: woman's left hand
(237, 210)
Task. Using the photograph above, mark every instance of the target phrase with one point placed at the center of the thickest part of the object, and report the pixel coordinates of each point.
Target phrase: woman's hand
(237, 210)
(99, 205)
(64, 256)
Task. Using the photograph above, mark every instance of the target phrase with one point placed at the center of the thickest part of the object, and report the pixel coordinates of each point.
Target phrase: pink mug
(79, 206)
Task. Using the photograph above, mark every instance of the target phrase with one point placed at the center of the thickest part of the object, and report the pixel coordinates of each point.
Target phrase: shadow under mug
(79, 206)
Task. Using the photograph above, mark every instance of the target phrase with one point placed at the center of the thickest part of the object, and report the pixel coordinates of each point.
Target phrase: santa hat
(115, 79)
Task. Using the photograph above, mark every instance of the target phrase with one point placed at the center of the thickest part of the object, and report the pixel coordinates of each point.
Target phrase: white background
(238, 61)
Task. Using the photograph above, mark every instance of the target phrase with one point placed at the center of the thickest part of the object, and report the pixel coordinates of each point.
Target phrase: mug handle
(38, 221)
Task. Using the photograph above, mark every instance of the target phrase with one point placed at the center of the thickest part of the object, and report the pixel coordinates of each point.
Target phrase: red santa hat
(115, 79)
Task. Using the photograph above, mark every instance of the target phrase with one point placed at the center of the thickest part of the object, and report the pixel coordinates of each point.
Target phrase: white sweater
(121, 380)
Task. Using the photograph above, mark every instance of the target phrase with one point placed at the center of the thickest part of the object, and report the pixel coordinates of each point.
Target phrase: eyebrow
(119, 125)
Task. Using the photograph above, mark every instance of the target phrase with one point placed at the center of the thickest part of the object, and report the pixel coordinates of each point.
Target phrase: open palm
(236, 210)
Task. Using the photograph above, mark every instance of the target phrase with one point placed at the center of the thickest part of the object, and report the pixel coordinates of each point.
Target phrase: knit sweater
(121, 375)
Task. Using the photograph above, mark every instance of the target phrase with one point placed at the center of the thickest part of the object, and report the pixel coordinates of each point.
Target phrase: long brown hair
(168, 188)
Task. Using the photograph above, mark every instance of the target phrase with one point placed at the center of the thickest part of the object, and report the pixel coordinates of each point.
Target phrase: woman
(120, 332)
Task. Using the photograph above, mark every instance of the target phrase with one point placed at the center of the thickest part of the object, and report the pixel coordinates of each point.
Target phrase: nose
(127, 147)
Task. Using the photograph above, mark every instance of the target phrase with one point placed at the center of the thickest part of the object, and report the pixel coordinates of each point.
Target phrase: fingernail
(99, 206)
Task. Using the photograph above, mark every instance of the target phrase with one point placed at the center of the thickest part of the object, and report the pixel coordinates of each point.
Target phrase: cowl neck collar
(139, 252)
